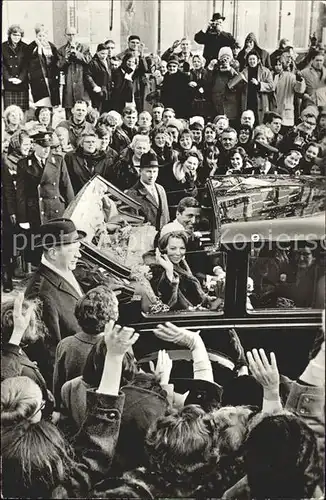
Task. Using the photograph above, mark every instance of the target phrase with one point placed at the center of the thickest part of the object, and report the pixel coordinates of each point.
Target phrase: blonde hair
(40, 27)
(139, 138)
(11, 109)
(20, 398)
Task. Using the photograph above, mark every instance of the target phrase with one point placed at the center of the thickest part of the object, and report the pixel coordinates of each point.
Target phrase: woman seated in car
(173, 280)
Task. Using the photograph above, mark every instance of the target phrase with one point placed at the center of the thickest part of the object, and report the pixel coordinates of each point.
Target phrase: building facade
(160, 22)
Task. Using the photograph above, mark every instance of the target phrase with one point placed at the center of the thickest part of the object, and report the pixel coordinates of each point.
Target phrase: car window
(286, 276)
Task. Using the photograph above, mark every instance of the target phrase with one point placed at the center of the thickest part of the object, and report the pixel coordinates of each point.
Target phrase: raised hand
(119, 339)
(163, 260)
(163, 367)
(176, 44)
(21, 318)
(264, 371)
(169, 332)
(212, 64)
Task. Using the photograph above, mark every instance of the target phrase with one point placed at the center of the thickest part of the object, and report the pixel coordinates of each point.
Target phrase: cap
(173, 60)
(225, 51)
(43, 138)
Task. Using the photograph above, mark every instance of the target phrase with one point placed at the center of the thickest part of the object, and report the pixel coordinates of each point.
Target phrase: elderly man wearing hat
(175, 91)
(150, 195)
(214, 38)
(219, 73)
(56, 286)
(43, 185)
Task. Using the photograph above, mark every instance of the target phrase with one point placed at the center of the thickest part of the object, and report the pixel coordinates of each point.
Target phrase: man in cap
(175, 91)
(263, 154)
(150, 195)
(136, 47)
(214, 38)
(74, 58)
(56, 286)
(43, 186)
(219, 73)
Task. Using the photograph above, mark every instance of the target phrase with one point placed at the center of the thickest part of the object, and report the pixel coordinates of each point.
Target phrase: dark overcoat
(97, 74)
(14, 65)
(42, 194)
(155, 213)
(80, 174)
(36, 74)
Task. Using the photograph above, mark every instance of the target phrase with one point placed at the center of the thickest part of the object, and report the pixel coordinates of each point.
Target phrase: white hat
(225, 51)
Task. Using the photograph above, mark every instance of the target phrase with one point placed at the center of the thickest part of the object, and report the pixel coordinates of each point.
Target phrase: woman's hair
(94, 365)
(110, 118)
(263, 129)
(139, 138)
(185, 131)
(200, 57)
(195, 153)
(211, 126)
(38, 111)
(253, 53)
(14, 28)
(36, 324)
(35, 460)
(19, 400)
(156, 131)
(102, 130)
(212, 152)
(10, 109)
(96, 308)
(92, 115)
(39, 27)
(241, 152)
(313, 144)
(220, 117)
(246, 127)
(281, 457)
(179, 445)
(128, 55)
(164, 240)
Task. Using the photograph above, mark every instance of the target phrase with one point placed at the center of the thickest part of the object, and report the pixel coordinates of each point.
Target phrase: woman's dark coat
(37, 77)
(125, 174)
(98, 74)
(176, 93)
(122, 90)
(42, 194)
(14, 65)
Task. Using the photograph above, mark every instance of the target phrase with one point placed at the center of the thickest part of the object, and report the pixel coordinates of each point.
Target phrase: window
(286, 276)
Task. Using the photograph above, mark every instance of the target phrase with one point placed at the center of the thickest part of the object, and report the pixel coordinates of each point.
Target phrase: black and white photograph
(163, 219)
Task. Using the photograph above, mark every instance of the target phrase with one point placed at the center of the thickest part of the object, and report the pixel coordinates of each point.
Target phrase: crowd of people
(79, 416)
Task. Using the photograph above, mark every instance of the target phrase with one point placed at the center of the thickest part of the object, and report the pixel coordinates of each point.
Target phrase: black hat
(206, 394)
(57, 232)
(173, 59)
(217, 16)
(43, 139)
(263, 149)
(148, 160)
(101, 46)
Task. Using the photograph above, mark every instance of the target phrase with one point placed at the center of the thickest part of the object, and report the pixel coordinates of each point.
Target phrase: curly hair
(179, 445)
(281, 457)
(96, 308)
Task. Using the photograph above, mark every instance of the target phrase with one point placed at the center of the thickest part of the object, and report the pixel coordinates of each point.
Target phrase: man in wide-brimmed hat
(214, 38)
(55, 284)
(150, 195)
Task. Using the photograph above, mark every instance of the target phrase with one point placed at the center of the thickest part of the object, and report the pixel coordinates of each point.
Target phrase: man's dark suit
(59, 300)
(156, 213)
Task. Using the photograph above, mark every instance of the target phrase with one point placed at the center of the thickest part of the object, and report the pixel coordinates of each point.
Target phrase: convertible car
(262, 245)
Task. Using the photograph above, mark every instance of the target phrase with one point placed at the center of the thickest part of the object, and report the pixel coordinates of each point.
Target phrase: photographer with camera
(214, 38)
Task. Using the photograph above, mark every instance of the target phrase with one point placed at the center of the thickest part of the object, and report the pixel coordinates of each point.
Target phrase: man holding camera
(214, 38)
(74, 57)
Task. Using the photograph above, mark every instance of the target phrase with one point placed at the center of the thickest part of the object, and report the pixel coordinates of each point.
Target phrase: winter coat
(37, 74)
(42, 194)
(263, 54)
(286, 86)
(266, 86)
(176, 93)
(122, 137)
(224, 100)
(315, 86)
(122, 89)
(9, 204)
(79, 172)
(213, 43)
(70, 358)
(155, 213)
(74, 70)
(98, 74)
(59, 299)
(125, 175)
(14, 65)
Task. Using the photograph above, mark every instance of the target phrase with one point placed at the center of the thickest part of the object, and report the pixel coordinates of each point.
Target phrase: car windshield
(246, 198)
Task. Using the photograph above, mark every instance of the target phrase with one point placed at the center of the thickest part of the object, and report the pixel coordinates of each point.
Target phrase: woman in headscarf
(14, 69)
(43, 70)
(12, 121)
(249, 45)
